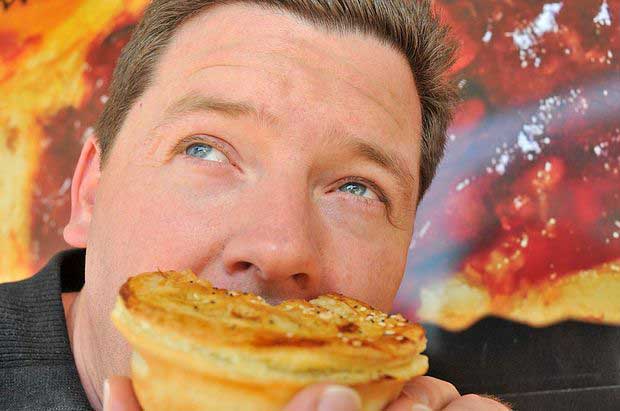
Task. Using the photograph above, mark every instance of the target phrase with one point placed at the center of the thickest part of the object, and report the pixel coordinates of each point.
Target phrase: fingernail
(106, 394)
(420, 407)
(339, 398)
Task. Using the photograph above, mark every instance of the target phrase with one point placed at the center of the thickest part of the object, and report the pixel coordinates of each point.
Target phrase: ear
(83, 189)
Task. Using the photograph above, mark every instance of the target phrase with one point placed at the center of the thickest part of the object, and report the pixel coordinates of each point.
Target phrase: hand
(429, 394)
(420, 394)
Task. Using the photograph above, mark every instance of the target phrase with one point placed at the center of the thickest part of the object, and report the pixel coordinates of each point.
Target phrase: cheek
(370, 271)
(147, 226)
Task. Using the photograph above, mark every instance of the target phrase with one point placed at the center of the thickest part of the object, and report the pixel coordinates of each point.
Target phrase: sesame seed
(357, 343)
(362, 308)
(389, 332)
(399, 338)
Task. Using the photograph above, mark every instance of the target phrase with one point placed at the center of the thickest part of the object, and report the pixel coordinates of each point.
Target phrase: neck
(81, 349)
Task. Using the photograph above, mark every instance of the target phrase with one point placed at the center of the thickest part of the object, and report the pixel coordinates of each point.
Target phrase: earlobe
(83, 189)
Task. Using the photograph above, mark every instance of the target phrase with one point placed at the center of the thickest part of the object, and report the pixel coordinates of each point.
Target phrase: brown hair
(410, 26)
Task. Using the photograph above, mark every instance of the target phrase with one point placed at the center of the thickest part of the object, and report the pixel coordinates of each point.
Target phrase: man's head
(408, 26)
(278, 147)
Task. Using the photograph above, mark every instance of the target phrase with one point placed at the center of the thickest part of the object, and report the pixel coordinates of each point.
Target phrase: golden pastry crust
(587, 295)
(181, 325)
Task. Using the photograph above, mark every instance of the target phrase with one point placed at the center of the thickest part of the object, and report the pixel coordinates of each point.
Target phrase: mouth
(271, 293)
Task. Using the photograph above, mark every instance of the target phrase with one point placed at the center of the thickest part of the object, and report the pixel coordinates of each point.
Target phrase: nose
(276, 244)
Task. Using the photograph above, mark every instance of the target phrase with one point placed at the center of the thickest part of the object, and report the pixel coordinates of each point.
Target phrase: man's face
(267, 156)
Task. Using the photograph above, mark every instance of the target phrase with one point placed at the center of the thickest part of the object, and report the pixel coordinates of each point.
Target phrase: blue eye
(354, 188)
(359, 190)
(206, 152)
(198, 150)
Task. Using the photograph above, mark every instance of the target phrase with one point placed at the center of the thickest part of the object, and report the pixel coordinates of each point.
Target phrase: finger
(402, 403)
(497, 399)
(429, 392)
(118, 395)
(325, 397)
(473, 402)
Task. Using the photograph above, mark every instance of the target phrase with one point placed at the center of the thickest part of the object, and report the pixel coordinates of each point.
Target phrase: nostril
(240, 266)
(301, 280)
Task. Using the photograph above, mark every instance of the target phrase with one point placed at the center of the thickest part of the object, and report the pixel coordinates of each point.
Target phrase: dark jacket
(37, 369)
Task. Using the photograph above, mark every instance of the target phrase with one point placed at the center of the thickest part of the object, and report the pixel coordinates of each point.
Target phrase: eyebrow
(392, 162)
(194, 102)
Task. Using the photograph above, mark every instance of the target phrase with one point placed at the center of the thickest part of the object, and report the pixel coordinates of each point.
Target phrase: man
(279, 147)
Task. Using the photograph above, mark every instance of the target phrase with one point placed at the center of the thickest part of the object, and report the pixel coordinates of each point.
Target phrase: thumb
(325, 397)
(428, 393)
(118, 395)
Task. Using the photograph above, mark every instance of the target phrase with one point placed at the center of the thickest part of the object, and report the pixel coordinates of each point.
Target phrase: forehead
(276, 55)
